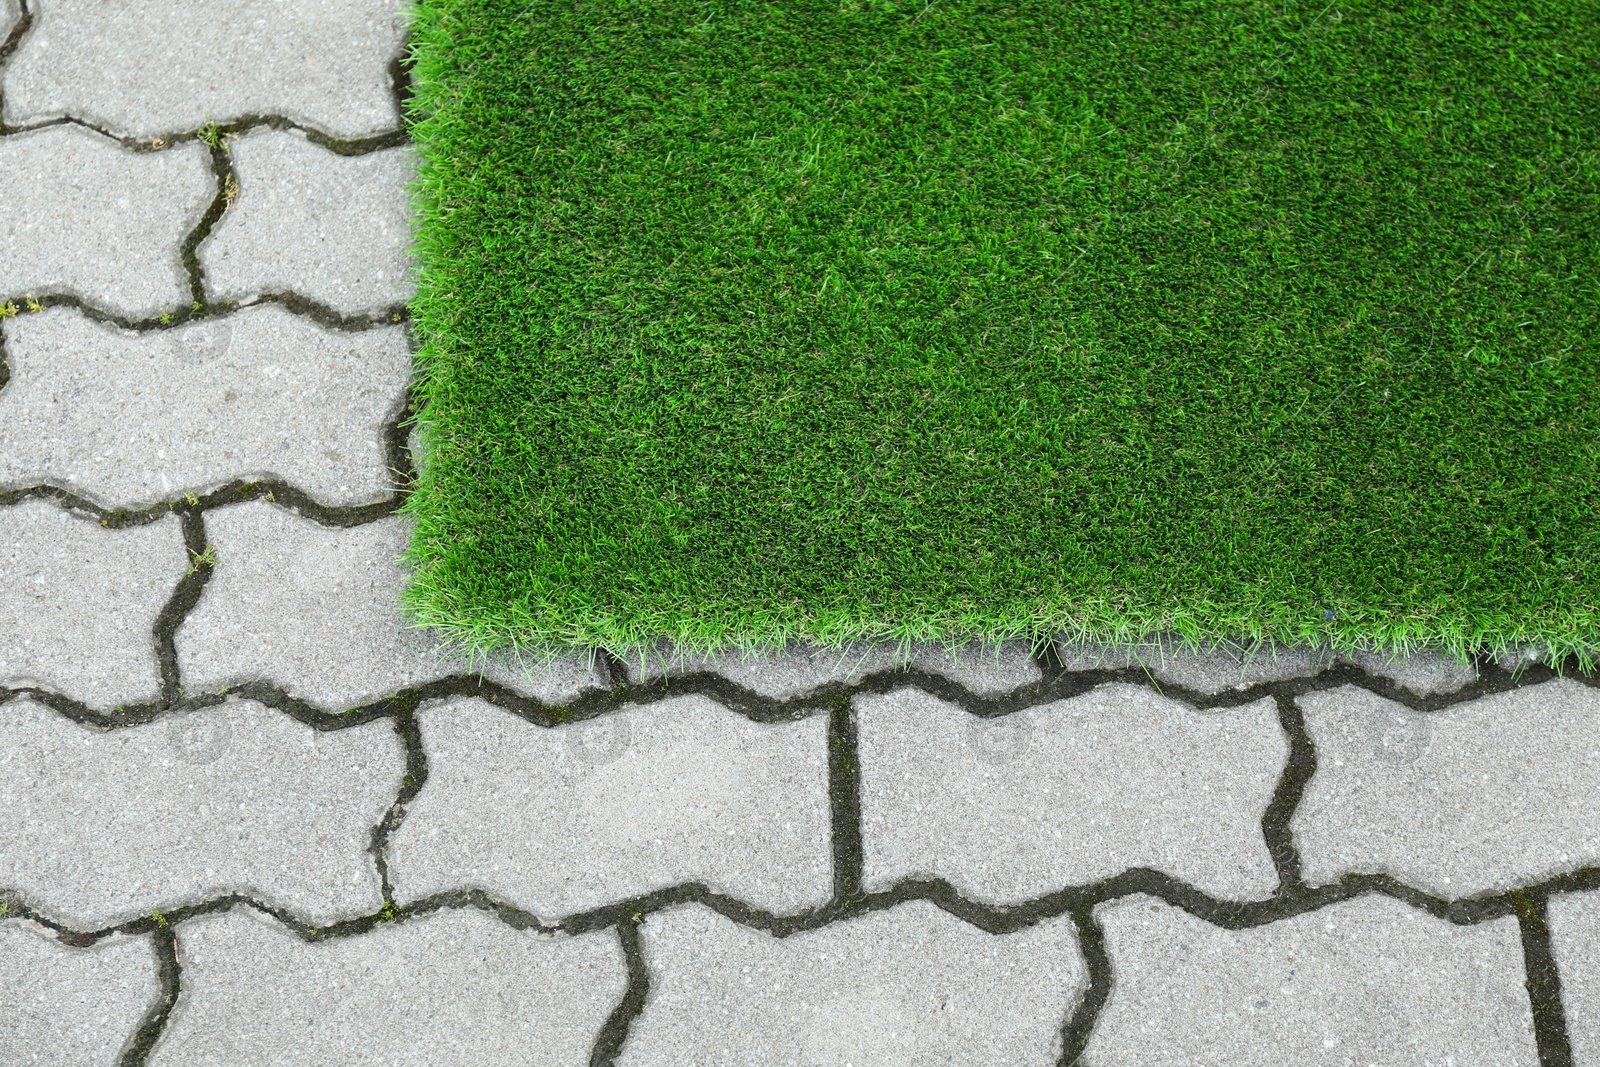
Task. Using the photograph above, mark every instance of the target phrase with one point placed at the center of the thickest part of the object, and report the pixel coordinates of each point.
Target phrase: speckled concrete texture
(1017, 806)
(91, 407)
(450, 989)
(81, 601)
(567, 819)
(71, 1007)
(1487, 795)
(102, 827)
(333, 229)
(1362, 982)
(94, 220)
(912, 985)
(142, 70)
(1575, 944)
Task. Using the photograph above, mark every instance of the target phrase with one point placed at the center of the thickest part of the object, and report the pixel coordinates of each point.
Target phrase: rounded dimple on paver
(1424, 672)
(88, 217)
(561, 820)
(333, 229)
(103, 826)
(80, 600)
(1068, 793)
(316, 610)
(453, 988)
(1365, 981)
(796, 670)
(1575, 943)
(1210, 669)
(911, 985)
(260, 394)
(142, 72)
(1488, 795)
(71, 1007)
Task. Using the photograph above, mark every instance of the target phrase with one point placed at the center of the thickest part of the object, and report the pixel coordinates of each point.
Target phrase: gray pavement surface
(1365, 981)
(250, 814)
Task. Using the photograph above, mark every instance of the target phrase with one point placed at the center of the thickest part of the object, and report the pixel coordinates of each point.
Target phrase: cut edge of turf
(532, 641)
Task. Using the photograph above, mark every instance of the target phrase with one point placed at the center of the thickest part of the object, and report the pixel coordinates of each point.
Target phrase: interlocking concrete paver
(93, 219)
(447, 989)
(1424, 671)
(79, 602)
(560, 820)
(315, 609)
(1068, 793)
(1575, 943)
(333, 229)
(262, 393)
(142, 71)
(103, 826)
(1487, 795)
(1209, 669)
(910, 986)
(71, 1007)
(1366, 981)
(799, 669)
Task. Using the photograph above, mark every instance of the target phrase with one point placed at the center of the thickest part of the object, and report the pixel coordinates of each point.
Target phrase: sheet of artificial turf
(753, 321)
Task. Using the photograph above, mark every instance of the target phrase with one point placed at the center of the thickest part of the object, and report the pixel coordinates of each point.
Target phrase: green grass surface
(746, 322)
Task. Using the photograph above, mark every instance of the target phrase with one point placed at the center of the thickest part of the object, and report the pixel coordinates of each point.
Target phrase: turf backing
(748, 322)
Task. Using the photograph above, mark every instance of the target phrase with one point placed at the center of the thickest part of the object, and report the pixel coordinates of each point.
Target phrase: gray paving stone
(10, 12)
(71, 1007)
(445, 989)
(800, 669)
(1366, 981)
(259, 394)
(79, 602)
(1068, 793)
(141, 71)
(315, 609)
(1210, 669)
(1424, 672)
(1485, 796)
(334, 229)
(103, 826)
(93, 219)
(909, 986)
(1575, 942)
(562, 820)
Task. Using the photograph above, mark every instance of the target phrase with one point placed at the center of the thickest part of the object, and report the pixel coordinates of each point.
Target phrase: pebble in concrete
(259, 394)
(800, 669)
(912, 985)
(87, 217)
(1210, 669)
(1575, 942)
(333, 229)
(103, 826)
(71, 1007)
(1366, 981)
(1014, 807)
(1488, 795)
(320, 62)
(316, 609)
(447, 989)
(79, 602)
(561, 820)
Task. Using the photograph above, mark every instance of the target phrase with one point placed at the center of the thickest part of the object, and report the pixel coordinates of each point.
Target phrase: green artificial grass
(752, 322)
